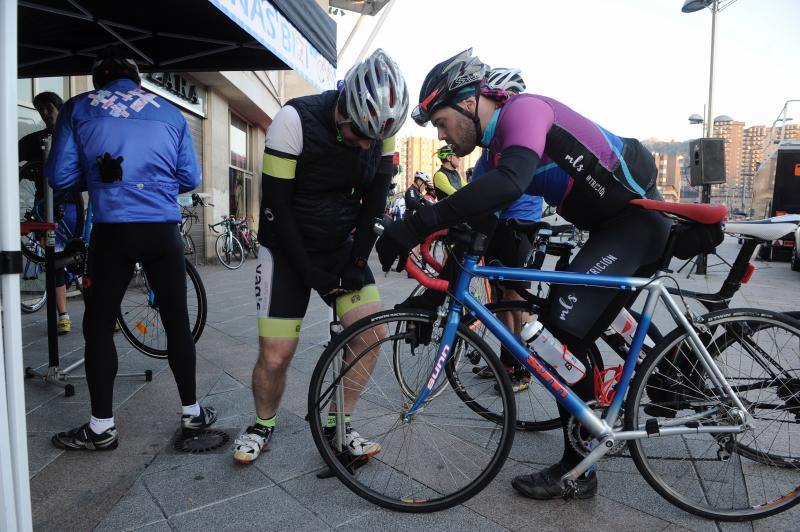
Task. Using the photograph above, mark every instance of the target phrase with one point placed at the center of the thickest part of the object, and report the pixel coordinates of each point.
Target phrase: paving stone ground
(146, 485)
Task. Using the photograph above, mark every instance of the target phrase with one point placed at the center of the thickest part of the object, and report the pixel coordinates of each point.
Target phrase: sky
(639, 68)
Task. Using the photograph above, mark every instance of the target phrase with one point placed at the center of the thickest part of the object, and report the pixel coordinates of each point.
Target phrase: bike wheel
(733, 476)
(188, 246)
(254, 245)
(230, 254)
(140, 318)
(32, 280)
(441, 456)
(536, 408)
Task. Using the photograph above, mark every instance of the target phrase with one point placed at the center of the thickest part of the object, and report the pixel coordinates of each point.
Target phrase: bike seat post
(666, 258)
(479, 244)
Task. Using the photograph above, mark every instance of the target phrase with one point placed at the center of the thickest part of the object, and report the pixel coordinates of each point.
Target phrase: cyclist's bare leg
(269, 374)
(61, 299)
(512, 320)
(361, 372)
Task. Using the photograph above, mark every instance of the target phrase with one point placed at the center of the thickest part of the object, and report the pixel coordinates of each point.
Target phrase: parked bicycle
(248, 237)
(709, 416)
(188, 217)
(228, 248)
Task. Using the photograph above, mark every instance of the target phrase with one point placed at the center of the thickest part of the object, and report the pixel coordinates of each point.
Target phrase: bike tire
(140, 321)
(254, 245)
(666, 388)
(230, 258)
(32, 285)
(188, 247)
(375, 414)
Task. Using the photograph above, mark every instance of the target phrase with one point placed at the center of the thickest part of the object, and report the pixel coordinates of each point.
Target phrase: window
(28, 88)
(25, 91)
(58, 85)
(28, 120)
(240, 173)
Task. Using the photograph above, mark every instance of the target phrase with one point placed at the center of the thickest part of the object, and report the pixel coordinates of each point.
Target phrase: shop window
(241, 167)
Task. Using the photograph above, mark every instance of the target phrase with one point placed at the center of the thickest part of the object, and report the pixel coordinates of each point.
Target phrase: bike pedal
(570, 490)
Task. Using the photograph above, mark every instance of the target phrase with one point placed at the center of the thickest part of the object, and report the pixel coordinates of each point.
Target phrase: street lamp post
(691, 6)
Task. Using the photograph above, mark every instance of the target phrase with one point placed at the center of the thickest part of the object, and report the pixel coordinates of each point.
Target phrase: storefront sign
(177, 89)
(269, 27)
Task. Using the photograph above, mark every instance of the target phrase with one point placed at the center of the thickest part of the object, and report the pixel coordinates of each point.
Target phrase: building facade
(733, 133)
(668, 181)
(419, 153)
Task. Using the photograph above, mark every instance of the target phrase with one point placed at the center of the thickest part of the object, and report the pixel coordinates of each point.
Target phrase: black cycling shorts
(282, 296)
(628, 244)
(511, 248)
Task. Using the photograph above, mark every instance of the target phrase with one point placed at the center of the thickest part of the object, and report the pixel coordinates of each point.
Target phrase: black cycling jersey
(446, 182)
(316, 190)
(414, 200)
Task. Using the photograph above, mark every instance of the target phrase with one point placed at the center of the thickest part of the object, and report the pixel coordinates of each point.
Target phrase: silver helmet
(419, 174)
(376, 97)
(508, 79)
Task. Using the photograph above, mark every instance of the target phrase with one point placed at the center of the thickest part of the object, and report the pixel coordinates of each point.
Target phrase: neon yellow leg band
(347, 302)
(279, 327)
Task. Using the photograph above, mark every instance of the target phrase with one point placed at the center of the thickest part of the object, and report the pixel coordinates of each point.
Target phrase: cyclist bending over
(539, 146)
(327, 169)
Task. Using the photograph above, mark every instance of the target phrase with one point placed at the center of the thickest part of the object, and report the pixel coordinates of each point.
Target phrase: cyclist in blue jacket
(133, 152)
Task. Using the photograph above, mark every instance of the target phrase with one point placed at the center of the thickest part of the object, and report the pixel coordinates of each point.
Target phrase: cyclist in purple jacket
(539, 146)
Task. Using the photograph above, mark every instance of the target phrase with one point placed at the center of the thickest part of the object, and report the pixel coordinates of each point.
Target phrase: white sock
(191, 410)
(99, 426)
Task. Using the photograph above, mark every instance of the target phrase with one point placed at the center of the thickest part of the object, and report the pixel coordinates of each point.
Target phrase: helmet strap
(338, 108)
(472, 116)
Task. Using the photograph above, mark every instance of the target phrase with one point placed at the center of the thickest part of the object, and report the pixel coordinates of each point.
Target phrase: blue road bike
(710, 416)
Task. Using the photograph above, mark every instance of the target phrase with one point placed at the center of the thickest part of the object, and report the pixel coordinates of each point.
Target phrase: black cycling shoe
(546, 484)
(192, 424)
(84, 439)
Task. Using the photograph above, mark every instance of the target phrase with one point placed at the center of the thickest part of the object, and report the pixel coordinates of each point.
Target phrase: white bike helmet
(419, 174)
(508, 79)
(375, 96)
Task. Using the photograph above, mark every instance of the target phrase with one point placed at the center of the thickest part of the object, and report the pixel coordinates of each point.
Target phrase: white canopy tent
(15, 500)
(62, 37)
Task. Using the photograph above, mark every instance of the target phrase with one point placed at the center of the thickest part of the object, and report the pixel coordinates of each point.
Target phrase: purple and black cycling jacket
(539, 146)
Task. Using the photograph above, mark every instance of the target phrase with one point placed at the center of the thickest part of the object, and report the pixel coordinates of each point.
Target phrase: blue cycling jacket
(151, 136)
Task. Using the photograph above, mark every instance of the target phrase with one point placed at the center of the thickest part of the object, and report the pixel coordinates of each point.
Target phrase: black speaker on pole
(706, 161)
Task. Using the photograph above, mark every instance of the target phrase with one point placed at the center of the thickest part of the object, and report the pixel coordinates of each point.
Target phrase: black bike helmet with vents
(448, 83)
(112, 65)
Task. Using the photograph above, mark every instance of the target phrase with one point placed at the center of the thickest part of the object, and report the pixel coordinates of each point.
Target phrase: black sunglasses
(357, 132)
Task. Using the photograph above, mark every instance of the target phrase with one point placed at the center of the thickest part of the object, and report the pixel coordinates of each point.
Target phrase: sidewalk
(146, 485)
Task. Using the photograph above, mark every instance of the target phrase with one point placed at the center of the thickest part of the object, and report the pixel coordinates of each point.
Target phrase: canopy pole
(375, 30)
(15, 496)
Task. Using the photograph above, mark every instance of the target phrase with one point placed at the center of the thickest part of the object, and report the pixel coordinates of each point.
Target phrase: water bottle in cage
(625, 326)
(553, 352)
